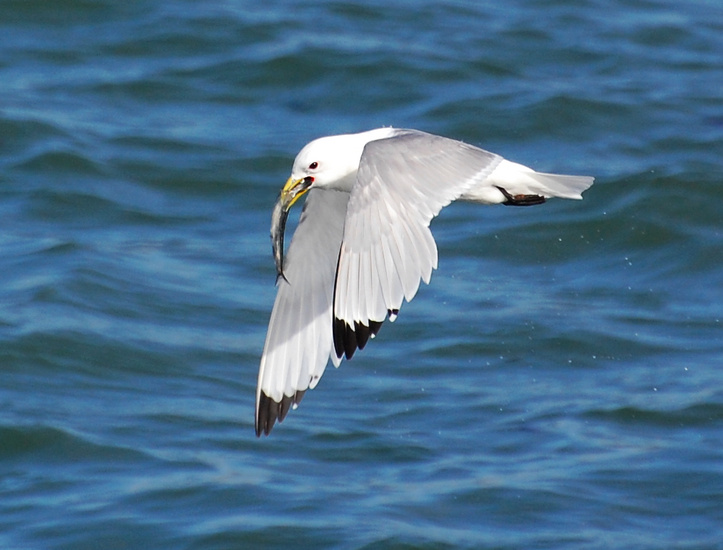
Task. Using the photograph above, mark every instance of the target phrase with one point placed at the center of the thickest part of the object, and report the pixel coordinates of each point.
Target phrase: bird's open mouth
(290, 193)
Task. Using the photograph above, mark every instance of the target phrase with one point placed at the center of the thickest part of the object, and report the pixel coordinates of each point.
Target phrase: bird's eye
(313, 166)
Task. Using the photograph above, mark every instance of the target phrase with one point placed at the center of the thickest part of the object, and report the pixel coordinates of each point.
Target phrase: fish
(290, 193)
(279, 215)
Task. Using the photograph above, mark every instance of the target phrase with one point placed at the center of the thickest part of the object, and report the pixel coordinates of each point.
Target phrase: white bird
(363, 243)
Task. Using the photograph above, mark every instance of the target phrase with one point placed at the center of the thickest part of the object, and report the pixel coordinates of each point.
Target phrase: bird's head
(329, 162)
(326, 163)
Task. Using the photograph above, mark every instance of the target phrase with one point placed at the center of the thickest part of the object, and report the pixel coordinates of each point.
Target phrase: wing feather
(402, 183)
(299, 338)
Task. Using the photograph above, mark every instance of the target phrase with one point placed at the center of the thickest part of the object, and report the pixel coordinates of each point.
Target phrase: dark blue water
(559, 383)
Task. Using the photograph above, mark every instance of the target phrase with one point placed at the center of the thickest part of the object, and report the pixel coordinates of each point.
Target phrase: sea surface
(559, 384)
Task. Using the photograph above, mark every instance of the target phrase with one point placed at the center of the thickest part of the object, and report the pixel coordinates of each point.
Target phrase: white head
(332, 161)
(329, 162)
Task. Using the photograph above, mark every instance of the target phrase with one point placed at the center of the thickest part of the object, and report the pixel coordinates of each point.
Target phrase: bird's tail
(517, 179)
(510, 182)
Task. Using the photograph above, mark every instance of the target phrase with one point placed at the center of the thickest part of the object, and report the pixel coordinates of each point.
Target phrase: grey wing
(299, 340)
(402, 183)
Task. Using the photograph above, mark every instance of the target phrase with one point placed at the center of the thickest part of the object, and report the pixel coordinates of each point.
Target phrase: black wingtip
(339, 332)
(269, 411)
(266, 415)
(362, 334)
(348, 339)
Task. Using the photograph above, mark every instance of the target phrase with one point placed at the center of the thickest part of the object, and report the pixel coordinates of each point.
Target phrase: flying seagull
(363, 243)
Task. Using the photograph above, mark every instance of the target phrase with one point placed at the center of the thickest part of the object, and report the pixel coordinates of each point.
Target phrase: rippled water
(558, 385)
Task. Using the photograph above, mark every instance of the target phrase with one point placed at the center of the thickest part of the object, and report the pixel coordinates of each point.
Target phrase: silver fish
(278, 228)
(292, 190)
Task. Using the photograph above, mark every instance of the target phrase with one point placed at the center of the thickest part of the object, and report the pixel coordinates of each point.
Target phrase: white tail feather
(517, 179)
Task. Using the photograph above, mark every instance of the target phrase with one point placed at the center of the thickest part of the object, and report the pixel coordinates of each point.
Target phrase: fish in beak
(290, 193)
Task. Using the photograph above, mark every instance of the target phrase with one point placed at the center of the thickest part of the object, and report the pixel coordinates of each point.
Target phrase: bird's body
(363, 243)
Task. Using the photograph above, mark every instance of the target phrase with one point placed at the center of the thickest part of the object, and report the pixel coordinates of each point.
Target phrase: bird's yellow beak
(290, 193)
(292, 190)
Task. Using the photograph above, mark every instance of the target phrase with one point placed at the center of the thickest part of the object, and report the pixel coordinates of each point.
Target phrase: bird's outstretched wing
(299, 338)
(402, 183)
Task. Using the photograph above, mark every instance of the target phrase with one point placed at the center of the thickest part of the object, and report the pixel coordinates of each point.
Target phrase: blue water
(558, 385)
